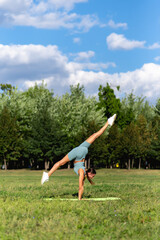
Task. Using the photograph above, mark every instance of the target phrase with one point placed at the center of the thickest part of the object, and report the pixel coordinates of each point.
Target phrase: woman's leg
(45, 176)
(93, 137)
(58, 164)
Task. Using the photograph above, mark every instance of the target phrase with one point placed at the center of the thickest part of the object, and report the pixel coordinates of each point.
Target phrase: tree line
(38, 128)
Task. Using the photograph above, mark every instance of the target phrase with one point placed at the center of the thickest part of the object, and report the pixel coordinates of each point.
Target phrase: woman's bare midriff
(79, 161)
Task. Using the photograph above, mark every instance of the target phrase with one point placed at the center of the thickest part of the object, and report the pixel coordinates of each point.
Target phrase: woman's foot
(45, 178)
(112, 119)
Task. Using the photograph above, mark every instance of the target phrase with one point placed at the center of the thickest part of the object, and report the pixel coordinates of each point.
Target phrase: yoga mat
(84, 199)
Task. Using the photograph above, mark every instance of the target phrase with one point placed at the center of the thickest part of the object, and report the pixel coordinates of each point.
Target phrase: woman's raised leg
(93, 137)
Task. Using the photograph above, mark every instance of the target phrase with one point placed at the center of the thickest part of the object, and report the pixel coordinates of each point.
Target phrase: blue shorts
(79, 152)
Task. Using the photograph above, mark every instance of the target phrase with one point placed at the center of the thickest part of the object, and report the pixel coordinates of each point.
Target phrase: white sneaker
(112, 119)
(45, 178)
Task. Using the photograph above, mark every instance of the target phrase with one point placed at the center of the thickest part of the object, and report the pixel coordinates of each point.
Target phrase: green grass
(26, 215)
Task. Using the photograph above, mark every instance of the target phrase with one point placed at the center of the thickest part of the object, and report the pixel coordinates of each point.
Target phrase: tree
(132, 107)
(108, 101)
(10, 137)
(75, 112)
(154, 153)
(144, 142)
(40, 138)
(157, 108)
(128, 145)
(7, 89)
(113, 142)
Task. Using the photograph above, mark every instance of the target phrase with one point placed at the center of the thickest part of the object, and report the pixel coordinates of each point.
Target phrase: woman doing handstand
(78, 154)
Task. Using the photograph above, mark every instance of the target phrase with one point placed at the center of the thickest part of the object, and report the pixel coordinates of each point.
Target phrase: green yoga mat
(84, 199)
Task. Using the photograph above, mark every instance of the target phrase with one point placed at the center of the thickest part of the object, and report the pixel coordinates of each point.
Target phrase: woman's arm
(90, 181)
(81, 183)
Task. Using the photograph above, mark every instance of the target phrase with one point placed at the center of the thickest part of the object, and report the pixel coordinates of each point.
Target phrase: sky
(90, 42)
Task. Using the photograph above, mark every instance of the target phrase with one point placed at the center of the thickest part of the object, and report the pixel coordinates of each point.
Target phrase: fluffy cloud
(22, 5)
(18, 6)
(76, 40)
(67, 5)
(84, 56)
(112, 24)
(143, 81)
(24, 65)
(118, 41)
(82, 61)
(157, 58)
(50, 14)
(154, 46)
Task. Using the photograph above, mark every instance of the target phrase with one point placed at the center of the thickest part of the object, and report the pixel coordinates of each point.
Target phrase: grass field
(25, 214)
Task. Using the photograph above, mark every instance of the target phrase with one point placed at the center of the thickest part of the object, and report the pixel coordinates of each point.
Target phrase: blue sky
(90, 42)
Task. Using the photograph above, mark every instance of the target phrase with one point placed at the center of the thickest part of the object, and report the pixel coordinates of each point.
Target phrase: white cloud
(23, 65)
(157, 58)
(76, 40)
(76, 66)
(118, 41)
(112, 24)
(22, 5)
(154, 46)
(67, 5)
(97, 66)
(143, 81)
(17, 6)
(49, 14)
(15, 55)
(82, 60)
(48, 81)
(84, 56)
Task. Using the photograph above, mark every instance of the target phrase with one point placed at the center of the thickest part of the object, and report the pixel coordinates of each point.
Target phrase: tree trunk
(129, 164)
(132, 162)
(31, 163)
(85, 163)
(139, 163)
(89, 163)
(5, 164)
(69, 165)
(46, 165)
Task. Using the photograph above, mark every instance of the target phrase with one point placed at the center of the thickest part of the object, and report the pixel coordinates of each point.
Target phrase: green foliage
(108, 101)
(154, 154)
(113, 143)
(157, 108)
(41, 132)
(144, 135)
(10, 137)
(49, 127)
(132, 107)
(128, 145)
(75, 112)
(7, 89)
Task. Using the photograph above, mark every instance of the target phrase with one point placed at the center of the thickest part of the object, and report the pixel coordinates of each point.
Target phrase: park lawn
(26, 215)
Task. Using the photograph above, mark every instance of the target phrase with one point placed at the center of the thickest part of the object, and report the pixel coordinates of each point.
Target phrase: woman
(78, 154)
